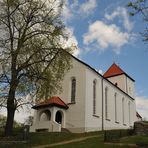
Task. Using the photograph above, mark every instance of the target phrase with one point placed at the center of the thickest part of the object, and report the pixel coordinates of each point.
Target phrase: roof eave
(120, 74)
(49, 105)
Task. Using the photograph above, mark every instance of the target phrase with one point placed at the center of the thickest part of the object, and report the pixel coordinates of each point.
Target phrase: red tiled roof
(54, 101)
(113, 70)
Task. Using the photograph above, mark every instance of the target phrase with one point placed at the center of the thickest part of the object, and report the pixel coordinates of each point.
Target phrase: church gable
(115, 70)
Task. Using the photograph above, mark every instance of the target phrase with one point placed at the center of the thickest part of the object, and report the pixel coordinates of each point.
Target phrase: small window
(94, 97)
(123, 114)
(106, 103)
(115, 107)
(73, 90)
(116, 84)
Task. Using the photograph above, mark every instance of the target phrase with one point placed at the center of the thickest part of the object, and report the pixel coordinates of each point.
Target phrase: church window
(123, 114)
(115, 107)
(73, 90)
(45, 115)
(106, 103)
(94, 97)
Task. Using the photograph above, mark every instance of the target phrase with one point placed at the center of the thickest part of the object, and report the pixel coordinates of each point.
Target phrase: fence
(115, 135)
(19, 134)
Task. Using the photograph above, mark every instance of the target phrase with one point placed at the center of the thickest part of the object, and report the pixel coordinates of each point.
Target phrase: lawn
(36, 139)
(90, 143)
(140, 140)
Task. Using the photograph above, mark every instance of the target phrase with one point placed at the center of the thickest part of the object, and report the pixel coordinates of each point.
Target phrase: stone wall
(141, 127)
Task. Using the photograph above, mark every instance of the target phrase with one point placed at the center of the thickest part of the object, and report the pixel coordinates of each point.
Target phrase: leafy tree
(32, 55)
(3, 122)
(140, 7)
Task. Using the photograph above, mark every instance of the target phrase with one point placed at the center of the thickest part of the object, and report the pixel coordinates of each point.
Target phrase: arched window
(45, 115)
(106, 103)
(73, 90)
(58, 117)
(123, 114)
(115, 107)
(94, 97)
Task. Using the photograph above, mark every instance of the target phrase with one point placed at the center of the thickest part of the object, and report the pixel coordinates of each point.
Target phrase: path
(66, 142)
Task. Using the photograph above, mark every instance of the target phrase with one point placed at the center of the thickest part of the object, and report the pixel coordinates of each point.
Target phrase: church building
(89, 101)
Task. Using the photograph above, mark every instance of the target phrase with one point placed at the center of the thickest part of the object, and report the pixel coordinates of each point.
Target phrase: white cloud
(75, 9)
(88, 7)
(123, 15)
(104, 35)
(67, 13)
(100, 71)
(71, 42)
(142, 106)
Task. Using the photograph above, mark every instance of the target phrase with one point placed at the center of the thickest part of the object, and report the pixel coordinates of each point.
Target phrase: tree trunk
(10, 119)
(11, 107)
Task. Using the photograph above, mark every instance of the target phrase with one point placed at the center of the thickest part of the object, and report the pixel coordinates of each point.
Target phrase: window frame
(73, 90)
(94, 96)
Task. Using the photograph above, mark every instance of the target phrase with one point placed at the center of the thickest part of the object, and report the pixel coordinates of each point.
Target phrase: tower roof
(115, 70)
(54, 101)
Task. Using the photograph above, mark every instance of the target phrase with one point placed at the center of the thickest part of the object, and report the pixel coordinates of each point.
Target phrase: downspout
(102, 107)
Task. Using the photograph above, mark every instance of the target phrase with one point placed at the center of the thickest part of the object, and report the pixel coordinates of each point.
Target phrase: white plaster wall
(120, 80)
(93, 122)
(75, 116)
(130, 87)
(111, 123)
(124, 83)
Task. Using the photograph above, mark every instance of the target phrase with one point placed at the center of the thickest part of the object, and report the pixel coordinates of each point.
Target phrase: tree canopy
(33, 58)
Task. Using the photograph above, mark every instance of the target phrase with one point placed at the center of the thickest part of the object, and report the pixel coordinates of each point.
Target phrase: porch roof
(54, 101)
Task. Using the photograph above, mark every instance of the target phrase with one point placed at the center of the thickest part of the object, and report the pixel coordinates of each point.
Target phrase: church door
(58, 118)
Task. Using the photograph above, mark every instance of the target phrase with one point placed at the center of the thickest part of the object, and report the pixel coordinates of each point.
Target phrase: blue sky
(104, 33)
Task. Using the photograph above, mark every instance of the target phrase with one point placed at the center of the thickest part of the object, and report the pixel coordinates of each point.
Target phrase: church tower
(121, 79)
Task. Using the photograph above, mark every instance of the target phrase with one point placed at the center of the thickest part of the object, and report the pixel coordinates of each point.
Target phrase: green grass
(141, 140)
(49, 138)
(36, 139)
(90, 143)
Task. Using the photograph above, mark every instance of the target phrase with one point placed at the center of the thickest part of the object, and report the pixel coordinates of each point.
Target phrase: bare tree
(32, 58)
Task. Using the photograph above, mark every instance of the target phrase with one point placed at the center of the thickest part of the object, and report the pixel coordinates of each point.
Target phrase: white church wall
(124, 83)
(93, 121)
(130, 87)
(120, 80)
(75, 117)
(119, 122)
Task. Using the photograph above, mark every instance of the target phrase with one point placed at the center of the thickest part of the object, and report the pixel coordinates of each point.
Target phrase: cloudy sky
(104, 33)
